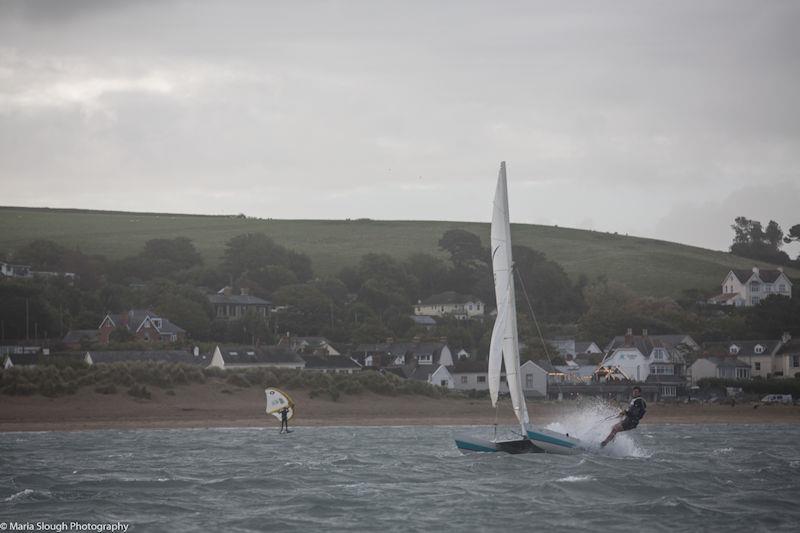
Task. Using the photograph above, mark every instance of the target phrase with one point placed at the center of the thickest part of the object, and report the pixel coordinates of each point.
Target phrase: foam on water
(591, 423)
(573, 479)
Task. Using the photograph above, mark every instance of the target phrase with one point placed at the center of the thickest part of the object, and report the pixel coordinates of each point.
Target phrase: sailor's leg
(616, 429)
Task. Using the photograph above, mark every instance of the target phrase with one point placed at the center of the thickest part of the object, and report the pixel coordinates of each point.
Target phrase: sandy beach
(219, 405)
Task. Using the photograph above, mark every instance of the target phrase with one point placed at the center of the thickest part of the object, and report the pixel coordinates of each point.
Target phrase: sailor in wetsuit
(284, 420)
(632, 414)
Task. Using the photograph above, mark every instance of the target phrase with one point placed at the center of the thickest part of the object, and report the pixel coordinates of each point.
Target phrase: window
(759, 349)
(756, 299)
(754, 286)
(782, 287)
(443, 383)
(470, 307)
(795, 361)
(481, 379)
(669, 391)
(464, 379)
(733, 349)
(528, 381)
(742, 373)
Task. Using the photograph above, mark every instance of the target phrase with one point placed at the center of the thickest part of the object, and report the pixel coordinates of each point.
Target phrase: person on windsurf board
(281, 406)
(632, 415)
(284, 420)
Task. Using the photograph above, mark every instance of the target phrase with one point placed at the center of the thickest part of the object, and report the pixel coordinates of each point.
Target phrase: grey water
(661, 478)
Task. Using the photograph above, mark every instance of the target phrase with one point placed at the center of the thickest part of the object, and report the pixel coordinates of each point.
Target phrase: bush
(139, 391)
(238, 380)
(106, 389)
(213, 372)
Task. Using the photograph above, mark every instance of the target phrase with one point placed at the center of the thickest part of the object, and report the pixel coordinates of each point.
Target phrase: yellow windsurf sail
(276, 401)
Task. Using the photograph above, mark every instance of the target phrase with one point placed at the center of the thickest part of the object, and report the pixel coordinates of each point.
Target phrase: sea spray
(591, 422)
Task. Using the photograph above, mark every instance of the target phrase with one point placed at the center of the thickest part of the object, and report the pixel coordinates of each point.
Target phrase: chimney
(644, 332)
(628, 337)
(780, 269)
(196, 351)
(227, 291)
(755, 271)
(245, 291)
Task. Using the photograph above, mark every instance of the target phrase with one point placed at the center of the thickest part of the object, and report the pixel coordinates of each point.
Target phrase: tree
(552, 293)
(774, 316)
(179, 253)
(463, 246)
(751, 240)
(251, 251)
(431, 273)
(307, 309)
(268, 278)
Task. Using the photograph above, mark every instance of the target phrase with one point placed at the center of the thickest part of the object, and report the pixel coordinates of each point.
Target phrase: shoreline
(216, 406)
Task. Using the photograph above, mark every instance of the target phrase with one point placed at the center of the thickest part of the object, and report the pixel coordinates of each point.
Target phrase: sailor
(633, 414)
(284, 419)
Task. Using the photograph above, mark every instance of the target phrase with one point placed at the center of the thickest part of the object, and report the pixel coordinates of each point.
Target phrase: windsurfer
(633, 414)
(284, 420)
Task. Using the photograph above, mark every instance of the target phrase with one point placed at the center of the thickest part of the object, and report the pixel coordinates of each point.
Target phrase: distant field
(647, 266)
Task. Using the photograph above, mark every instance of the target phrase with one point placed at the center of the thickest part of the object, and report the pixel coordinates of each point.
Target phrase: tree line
(370, 301)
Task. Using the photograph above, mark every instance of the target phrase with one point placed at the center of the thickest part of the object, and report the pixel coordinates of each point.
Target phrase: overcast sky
(658, 119)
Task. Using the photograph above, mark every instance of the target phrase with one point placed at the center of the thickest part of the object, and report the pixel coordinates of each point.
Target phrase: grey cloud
(617, 114)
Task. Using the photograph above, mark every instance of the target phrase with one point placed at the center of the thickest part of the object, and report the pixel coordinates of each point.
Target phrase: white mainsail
(504, 344)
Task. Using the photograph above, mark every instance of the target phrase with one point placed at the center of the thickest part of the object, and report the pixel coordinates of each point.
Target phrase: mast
(504, 335)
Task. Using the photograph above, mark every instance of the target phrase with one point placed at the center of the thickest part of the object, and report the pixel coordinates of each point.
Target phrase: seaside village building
(450, 303)
(745, 288)
(772, 358)
(658, 361)
(144, 324)
(230, 306)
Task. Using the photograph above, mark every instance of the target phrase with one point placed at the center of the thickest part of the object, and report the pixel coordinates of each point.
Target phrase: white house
(787, 358)
(450, 303)
(719, 367)
(745, 288)
(640, 356)
(630, 361)
(537, 376)
(442, 377)
(472, 375)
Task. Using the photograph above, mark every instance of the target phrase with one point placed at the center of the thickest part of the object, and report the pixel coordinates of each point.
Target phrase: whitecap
(573, 479)
(720, 451)
(25, 494)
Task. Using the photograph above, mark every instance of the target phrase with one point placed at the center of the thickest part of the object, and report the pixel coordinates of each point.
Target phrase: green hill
(647, 266)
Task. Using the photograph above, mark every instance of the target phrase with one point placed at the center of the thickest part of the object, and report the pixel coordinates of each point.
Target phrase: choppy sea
(656, 478)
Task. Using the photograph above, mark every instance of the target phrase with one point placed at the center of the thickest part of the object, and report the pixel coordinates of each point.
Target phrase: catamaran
(504, 350)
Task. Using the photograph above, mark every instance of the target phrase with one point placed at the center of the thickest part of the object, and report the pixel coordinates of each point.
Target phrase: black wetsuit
(634, 413)
(284, 420)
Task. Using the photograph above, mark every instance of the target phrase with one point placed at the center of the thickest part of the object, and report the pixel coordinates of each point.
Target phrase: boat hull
(469, 444)
(554, 442)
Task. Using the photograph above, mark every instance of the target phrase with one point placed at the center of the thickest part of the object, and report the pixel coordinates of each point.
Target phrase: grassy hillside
(647, 266)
